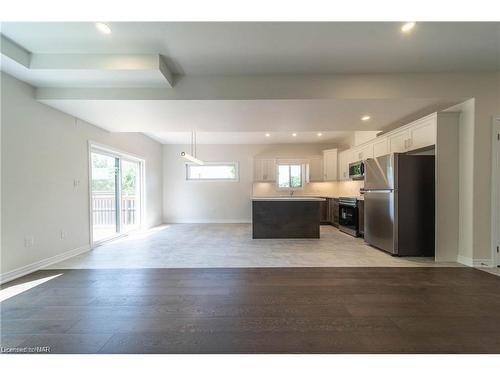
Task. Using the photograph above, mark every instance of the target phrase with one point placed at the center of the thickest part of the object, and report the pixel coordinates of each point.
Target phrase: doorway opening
(116, 193)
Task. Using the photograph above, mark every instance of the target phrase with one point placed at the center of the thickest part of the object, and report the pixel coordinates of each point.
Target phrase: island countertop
(289, 199)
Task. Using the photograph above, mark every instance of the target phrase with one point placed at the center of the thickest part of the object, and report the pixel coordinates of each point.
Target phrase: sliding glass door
(105, 188)
(115, 195)
(130, 195)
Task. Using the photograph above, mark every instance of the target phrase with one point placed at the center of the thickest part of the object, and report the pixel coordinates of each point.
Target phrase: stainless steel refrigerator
(399, 195)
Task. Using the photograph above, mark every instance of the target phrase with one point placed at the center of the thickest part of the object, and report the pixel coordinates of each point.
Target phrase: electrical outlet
(62, 235)
(29, 241)
(76, 183)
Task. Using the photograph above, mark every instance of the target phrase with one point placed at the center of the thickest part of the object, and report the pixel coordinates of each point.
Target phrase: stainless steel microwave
(357, 170)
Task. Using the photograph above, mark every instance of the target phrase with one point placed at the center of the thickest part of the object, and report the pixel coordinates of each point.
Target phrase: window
(212, 171)
(289, 176)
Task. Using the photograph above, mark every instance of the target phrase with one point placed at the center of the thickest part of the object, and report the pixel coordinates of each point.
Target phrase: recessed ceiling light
(320, 134)
(268, 135)
(407, 27)
(294, 134)
(365, 118)
(103, 28)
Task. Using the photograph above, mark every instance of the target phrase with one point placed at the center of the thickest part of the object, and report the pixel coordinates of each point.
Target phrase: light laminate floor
(231, 245)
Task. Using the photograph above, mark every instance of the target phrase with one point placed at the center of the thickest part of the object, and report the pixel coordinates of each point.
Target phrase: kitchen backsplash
(332, 188)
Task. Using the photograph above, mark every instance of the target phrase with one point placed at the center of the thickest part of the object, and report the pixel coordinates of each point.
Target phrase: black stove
(348, 216)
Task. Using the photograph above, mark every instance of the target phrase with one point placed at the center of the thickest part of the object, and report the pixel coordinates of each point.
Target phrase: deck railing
(104, 209)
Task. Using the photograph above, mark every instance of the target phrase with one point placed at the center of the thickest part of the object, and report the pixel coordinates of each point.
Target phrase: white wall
(466, 179)
(218, 201)
(447, 186)
(43, 152)
(484, 87)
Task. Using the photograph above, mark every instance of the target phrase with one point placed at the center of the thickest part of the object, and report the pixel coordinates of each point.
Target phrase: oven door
(348, 219)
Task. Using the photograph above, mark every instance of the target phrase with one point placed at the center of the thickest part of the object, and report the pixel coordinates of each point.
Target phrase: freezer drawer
(380, 220)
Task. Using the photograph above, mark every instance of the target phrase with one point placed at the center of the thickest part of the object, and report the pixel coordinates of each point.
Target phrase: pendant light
(192, 157)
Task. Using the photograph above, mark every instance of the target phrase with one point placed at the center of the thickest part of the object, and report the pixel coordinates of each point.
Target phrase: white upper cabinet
(334, 165)
(265, 170)
(345, 157)
(422, 133)
(269, 170)
(418, 134)
(398, 141)
(380, 147)
(315, 169)
(362, 152)
(330, 162)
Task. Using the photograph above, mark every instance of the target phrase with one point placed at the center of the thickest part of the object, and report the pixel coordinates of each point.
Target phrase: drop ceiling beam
(74, 66)
(103, 63)
(313, 87)
(94, 62)
(14, 51)
(166, 71)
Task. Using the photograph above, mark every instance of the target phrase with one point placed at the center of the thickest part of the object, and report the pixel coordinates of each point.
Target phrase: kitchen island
(286, 217)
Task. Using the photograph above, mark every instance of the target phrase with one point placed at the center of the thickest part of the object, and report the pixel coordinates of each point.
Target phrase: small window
(289, 176)
(212, 171)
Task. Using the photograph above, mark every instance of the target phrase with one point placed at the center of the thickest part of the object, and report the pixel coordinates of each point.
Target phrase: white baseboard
(18, 272)
(483, 263)
(474, 262)
(465, 260)
(208, 221)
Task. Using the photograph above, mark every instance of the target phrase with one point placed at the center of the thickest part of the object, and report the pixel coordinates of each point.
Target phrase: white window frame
(215, 163)
(302, 176)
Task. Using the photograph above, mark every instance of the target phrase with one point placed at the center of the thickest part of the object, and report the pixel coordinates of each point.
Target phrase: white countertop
(358, 197)
(288, 198)
(304, 197)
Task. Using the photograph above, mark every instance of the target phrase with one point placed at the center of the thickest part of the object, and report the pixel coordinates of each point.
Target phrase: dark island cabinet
(325, 212)
(334, 212)
(286, 218)
(329, 211)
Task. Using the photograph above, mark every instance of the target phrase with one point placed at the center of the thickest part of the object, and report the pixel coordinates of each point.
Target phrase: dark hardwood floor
(263, 310)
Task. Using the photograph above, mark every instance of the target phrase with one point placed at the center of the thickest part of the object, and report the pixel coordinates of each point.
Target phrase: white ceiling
(278, 48)
(246, 121)
(77, 56)
(232, 138)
